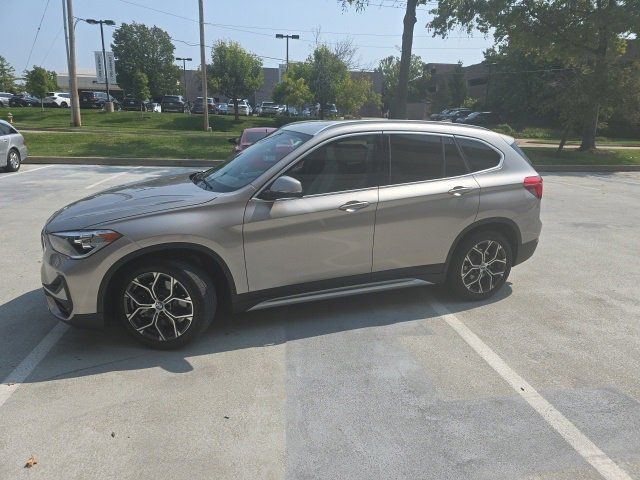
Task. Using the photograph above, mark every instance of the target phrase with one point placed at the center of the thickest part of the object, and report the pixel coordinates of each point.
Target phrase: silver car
(12, 148)
(317, 209)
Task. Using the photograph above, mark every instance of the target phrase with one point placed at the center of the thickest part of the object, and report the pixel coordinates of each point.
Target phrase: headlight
(82, 243)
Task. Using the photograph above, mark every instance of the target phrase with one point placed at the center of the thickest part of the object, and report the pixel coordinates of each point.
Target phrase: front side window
(349, 163)
(415, 158)
(479, 156)
(5, 129)
(253, 161)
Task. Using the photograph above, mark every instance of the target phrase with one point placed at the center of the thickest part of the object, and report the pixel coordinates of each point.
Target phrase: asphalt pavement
(541, 382)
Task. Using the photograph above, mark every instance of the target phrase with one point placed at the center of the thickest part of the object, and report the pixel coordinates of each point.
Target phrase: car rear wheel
(480, 266)
(165, 305)
(64, 105)
(13, 161)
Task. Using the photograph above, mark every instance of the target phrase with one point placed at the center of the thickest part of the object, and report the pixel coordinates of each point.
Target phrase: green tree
(7, 76)
(585, 35)
(353, 92)
(457, 85)
(389, 68)
(138, 48)
(140, 88)
(39, 81)
(235, 71)
(399, 106)
(292, 91)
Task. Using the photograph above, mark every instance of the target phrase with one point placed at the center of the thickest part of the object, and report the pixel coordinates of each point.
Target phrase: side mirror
(283, 187)
(233, 141)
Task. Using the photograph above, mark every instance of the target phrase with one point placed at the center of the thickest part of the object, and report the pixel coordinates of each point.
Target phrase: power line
(37, 33)
(53, 43)
(197, 44)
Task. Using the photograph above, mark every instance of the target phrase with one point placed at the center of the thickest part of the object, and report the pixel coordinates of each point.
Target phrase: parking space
(541, 382)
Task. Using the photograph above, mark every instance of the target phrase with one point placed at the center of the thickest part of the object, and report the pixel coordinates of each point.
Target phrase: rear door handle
(353, 206)
(459, 191)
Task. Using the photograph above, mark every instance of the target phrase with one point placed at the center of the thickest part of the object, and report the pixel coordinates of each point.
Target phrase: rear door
(5, 140)
(430, 197)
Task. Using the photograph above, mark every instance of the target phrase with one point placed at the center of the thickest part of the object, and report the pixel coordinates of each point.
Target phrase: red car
(250, 136)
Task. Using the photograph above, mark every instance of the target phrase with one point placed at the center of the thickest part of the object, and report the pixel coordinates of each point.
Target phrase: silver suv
(313, 211)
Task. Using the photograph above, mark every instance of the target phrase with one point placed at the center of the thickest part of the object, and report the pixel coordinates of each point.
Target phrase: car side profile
(315, 210)
(12, 148)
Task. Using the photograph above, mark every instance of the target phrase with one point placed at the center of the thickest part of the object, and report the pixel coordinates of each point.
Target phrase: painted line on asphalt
(572, 184)
(109, 178)
(571, 434)
(9, 175)
(27, 366)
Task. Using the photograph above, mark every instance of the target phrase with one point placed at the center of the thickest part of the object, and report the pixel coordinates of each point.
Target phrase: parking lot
(541, 382)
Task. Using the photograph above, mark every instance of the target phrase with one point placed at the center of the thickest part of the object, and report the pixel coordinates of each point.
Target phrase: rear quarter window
(478, 155)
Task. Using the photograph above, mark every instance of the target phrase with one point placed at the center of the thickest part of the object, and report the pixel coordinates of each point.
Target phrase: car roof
(259, 129)
(313, 127)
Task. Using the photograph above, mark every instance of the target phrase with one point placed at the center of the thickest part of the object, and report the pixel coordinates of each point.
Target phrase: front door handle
(353, 206)
(459, 191)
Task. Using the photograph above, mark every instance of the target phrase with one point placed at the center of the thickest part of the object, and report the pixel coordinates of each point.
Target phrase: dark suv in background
(97, 100)
(173, 103)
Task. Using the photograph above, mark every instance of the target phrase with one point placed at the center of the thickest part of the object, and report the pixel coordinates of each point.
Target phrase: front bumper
(60, 305)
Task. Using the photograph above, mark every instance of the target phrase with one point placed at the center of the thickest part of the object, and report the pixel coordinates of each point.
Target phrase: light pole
(91, 21)
(184, 61)
(293, 37)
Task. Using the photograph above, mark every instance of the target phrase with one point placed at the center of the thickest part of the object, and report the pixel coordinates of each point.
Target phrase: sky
(376, 32)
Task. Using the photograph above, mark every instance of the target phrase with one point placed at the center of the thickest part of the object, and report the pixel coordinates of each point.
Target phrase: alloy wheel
(158, 306)
(14, 160)
(484, 266)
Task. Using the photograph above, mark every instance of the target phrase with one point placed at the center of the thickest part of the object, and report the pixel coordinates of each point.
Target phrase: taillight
(534, 185)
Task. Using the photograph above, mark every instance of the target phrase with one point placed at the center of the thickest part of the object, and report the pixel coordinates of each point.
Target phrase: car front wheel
(13, 161)
(166, 304)
(480, 266)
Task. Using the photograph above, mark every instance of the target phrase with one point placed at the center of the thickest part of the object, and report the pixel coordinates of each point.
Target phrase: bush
(505, 128)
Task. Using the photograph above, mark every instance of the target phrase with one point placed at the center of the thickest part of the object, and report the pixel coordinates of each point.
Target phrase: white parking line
(574, 437)
(571, 184)
(9, 175)
(110, 178)
(22, 371)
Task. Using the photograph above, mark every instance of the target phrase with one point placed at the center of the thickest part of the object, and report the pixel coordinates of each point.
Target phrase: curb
(124, 162)
(197, 162)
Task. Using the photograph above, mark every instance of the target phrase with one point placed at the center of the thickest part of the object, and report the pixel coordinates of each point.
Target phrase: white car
(243, 107)
(4, 99)
(57, 99)
(153, 107)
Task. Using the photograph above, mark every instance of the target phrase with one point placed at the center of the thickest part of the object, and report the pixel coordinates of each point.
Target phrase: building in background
(87, 80)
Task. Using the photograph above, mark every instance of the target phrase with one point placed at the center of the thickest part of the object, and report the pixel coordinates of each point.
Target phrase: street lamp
(184, 61)
(111, 23)
(293, 37)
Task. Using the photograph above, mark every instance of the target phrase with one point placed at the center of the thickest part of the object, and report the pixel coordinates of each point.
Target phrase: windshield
(171, 98)
(254, 161)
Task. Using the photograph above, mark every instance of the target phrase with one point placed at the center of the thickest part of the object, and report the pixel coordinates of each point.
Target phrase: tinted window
(346, 164)
(415, 158)
(478, 155)
(453, 162)
(5, 129)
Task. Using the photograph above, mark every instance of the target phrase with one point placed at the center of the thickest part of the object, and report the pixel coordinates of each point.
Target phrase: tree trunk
(235, 107)
(399, 107)
(590, 129)
(563, 138)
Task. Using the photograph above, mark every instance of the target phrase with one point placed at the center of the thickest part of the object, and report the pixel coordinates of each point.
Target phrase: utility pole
(203, 66)
(108, 106)
(76, 121)
(293, 37)
(184, 74)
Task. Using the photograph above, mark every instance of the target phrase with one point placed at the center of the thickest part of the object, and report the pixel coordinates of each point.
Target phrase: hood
(164, 193)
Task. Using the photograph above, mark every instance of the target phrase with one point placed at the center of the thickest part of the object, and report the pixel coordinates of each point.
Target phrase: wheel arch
(503, 225)
(198, 254)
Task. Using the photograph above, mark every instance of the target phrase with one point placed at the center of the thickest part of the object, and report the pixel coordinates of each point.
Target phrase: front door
(430, 198)
(327, 233)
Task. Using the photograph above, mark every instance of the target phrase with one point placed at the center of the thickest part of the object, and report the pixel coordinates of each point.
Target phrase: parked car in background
(12, 147)
(306, 112)
(330, 110)
(222, 108)
(455, 114)
(198, 106)
(4, 98)
(438, 116)
(483, 119)
(57, 99)
(268, 109)
(153, 107)
(243, 107)
(249, 137)
(133, 104)
(315, 210)
(173, 103)
(89, 99)
(24, 100)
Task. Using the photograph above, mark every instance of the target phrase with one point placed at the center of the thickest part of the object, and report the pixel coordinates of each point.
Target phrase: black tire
(196, 283)
(64, 105)
(13, 161)
(482, 282)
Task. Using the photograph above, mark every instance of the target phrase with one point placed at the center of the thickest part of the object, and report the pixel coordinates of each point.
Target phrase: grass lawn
(549, 156)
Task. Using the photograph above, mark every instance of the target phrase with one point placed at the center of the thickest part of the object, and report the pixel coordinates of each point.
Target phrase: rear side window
(478, 155)
(415, 158)
(5, 129)
(454, 165)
